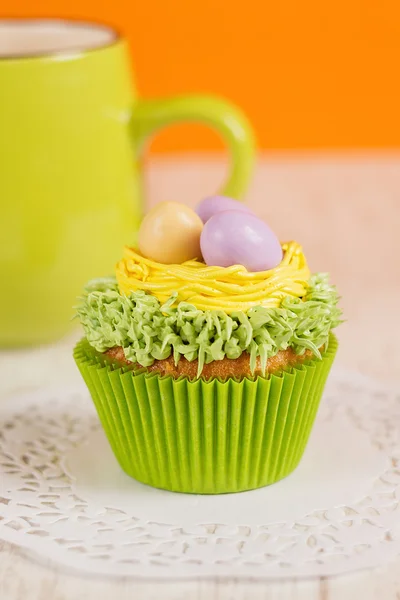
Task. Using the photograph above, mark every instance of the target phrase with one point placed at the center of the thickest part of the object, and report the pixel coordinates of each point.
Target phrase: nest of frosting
(211, 288)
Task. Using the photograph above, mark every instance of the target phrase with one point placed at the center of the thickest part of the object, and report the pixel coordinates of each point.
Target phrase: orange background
(309, 73)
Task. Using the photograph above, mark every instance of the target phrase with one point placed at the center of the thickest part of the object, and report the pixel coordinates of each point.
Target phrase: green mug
(71, 133)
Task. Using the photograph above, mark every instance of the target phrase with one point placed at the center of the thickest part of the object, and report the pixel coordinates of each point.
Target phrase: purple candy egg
(216, 204)
(234, 238)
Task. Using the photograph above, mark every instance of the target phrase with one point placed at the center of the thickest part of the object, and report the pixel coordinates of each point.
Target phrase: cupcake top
(209, 306)
(216, 288)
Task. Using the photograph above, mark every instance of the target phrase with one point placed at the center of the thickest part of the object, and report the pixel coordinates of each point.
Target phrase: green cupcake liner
(205, 437)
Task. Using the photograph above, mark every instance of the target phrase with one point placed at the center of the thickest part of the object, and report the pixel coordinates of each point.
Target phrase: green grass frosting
(148, 330)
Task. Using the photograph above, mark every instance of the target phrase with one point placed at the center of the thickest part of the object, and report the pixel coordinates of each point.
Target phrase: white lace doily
(63, 495)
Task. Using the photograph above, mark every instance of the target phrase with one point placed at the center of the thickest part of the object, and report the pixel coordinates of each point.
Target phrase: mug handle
(149, 116)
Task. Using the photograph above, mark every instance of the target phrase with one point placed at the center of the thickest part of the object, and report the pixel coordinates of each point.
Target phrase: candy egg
(232, 238)
(215, 204)
(170, 234)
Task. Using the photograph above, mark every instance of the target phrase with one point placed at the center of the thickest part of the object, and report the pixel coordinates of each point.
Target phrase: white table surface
(345, 210)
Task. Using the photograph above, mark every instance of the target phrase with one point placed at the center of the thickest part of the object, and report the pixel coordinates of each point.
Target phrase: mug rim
(71, 52)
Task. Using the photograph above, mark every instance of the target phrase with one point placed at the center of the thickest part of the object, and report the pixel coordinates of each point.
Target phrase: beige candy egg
(170, 234)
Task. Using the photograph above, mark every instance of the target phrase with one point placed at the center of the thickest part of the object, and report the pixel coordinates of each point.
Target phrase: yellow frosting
(230, 289)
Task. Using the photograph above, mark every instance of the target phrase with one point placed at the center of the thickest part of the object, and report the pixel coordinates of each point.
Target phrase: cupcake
(207, 353)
